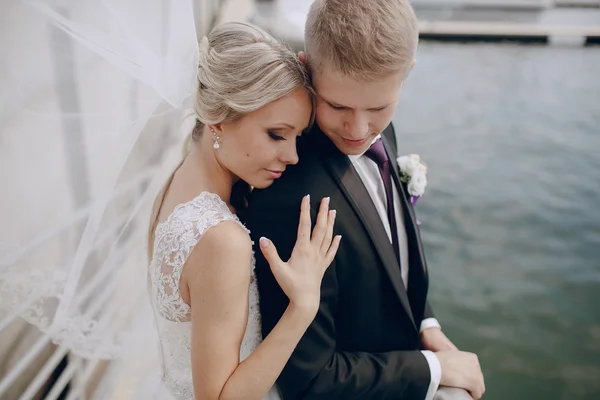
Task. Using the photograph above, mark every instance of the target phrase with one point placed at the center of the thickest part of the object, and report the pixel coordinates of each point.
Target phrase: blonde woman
(253, 101)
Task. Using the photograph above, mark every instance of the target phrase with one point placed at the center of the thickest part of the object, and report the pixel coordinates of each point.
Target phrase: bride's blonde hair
(241, 68)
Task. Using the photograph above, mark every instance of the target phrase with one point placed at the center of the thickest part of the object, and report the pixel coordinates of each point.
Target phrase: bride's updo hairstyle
(242, 68)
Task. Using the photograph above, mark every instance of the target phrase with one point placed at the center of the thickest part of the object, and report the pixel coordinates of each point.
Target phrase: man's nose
(357, 126)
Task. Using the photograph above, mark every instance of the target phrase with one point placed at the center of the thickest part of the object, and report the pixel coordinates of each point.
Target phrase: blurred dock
(570, 22)
(518, 32)
(539, 21)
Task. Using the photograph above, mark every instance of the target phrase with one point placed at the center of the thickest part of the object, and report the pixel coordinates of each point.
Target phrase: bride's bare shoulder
(224, 252)
(226, 236)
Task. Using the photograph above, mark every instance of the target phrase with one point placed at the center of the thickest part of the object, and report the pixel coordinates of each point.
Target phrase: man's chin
(351, 150)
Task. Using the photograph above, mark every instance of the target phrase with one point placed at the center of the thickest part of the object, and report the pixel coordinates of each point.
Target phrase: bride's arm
(217, 274)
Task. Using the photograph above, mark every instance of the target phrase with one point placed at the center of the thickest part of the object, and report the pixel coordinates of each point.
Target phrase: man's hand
(434, 339)
(462, 370)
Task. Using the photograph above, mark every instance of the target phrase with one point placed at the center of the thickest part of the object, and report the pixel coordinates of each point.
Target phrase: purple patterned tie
(377, 153)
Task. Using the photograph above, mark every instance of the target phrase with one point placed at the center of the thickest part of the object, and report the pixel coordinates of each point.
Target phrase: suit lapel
(418, 281)
(351, 185)
(410, 220)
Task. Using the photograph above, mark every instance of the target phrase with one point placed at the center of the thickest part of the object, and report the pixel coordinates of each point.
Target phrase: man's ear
(302, 57)
(414, 62)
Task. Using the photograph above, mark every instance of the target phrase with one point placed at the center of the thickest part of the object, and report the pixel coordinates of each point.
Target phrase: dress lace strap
(177, 236)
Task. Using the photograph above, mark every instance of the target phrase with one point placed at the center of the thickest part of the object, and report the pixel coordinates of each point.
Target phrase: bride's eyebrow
(282, 126)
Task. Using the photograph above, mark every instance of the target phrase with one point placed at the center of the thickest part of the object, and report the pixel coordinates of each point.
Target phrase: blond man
(375, 335)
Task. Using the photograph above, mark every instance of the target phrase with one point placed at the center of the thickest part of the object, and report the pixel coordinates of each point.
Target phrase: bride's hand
(300, 277)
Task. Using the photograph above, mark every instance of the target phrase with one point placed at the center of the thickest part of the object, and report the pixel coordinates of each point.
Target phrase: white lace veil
(93, 96)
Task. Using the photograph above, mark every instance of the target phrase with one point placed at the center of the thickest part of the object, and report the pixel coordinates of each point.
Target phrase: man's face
(351, 112)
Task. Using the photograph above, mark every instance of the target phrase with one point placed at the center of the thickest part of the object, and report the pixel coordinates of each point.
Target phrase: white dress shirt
(368, 171)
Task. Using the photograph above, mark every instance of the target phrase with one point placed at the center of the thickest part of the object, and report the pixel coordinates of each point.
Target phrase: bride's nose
(289, 154)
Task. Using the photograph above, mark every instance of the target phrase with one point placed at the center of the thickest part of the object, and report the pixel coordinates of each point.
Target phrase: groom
(375, 335)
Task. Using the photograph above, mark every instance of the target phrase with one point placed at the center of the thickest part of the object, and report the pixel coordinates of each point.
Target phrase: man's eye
(274, 136)
(337, 107)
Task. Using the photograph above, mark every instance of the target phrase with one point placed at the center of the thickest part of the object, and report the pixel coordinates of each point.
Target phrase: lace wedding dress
(175, 238)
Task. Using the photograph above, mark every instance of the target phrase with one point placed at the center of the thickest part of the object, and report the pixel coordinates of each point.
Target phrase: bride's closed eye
(274, 136)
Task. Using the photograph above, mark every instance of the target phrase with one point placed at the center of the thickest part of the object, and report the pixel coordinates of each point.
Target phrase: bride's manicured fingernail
(264, 242)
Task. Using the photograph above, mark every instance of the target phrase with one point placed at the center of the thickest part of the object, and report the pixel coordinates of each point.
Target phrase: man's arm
(317, 368)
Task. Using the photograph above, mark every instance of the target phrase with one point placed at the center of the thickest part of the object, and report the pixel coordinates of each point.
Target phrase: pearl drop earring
(216, 145)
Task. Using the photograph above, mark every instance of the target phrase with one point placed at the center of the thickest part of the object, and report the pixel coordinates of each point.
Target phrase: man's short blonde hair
(365, 39)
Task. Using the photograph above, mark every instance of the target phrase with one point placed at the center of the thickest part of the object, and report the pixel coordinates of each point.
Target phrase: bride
(252, 102)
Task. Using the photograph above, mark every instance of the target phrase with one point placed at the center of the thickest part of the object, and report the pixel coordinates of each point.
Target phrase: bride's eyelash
(274, 136)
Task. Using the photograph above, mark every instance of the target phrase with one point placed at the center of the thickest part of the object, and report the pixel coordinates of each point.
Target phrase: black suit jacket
(364, 342)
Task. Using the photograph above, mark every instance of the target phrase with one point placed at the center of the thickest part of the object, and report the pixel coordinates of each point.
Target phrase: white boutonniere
(414, 172)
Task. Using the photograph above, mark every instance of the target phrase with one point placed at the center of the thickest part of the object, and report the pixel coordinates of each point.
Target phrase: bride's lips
(355, 143)
(274, 174)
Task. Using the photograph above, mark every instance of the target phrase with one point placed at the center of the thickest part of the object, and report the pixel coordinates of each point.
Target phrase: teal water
(511, 216)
